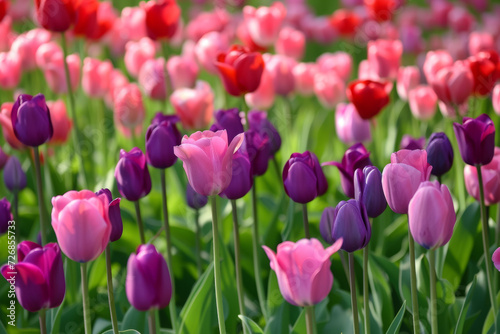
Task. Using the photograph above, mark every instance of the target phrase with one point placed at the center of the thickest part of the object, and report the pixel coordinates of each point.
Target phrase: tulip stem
(41, 318)
(85, 299)
(41, 211)
(366, 296)
(306, 220)
(76, 134)
(278, 170)
(255, 245)
(152, 321)
(16, 204)
(164, 50)
(171, 306)
(486, 242)
(239, 277)
(439, 179)
(310, 321)
(111, 296)
(217, 272)
(413, 283)
(354, 302)
(432, 273)
(197, 241)
(139, 222)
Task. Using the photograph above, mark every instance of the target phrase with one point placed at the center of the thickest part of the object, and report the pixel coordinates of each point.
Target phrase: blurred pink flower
(95, 77)
(26, 45)
(303, 74)
(152, 79)
(60, 122)
(208, 47)
(264, 23)
(194, 106)
(182, 72)
(291, 43)
(137, 53)
(10, 70)
(263, 97)
(129, 110)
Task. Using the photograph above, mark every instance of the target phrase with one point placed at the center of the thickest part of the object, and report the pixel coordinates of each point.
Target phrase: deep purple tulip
(30, 118)
(148, 282)
(195, 200)
(132, 174)
(38, 276)
(5, 215)
(439, 153)
(229, 120)
(257, 120)
(410, 143)
(115, 216)
(13, 175)
(356, 156)
(242, 177)
(3, 158)
(303, 177)
(368, 190)
(161, 137)
(349, 221)
(258, 150)
(476, 139)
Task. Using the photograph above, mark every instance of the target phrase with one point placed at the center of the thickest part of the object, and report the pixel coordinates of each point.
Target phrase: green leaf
(396, 323)
(465, 307)
(55, 318)
(134, 319)
(382, 310)
(97, 275)
(250, 325)
(127, 331)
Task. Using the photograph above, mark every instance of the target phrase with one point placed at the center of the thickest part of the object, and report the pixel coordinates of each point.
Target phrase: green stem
(164, 49)
(486, 242)
(310, 321)
(354, 302)
(171, 306)
(152, 321)
(197, 241)
(305, 220)
(111, 296)
(432, 273)
(439, 179)
(16, 204)
(344, 264)
(104, 130)
(413, 282)
(217, 273)
(76, 134)
(277, 168)
(237, 261)
(366, 295)
(139, 222)
(39, 189)
(255, 253)
(41, 319)
(85, 299)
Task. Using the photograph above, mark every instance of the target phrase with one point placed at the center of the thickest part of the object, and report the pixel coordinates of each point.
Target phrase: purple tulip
(148, 282)
(31, 122)
(115, 216)
(229, 120)
(161, 137)
(476, 139)
(38, 276)
(5, 215)
(195, 200)
(258, 151)
(348, 221)
(496, 258)
(257, 120)
(431, 215)
(3, 158)
(410, 143)
(132, 175)
(368, 190)
(356, 156)
(242, 177)
(303, 177)
(439, 153)
(13, 175)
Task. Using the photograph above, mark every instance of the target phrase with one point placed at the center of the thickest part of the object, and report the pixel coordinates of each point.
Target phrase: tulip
(348, 222)
(264, 23)
(148, 283)
(423, 101)
(7, 129)
(117, 81)
(162, 19)
(129, 110)
(56, 15)
(408, 79)
(453, 84)
(46, 53)
(193, 199)
(355, 157)
(240, 70)
(319, 29)
(460, 20)
(258, 150)
(10, 70)
(329, 89)
(496, 258)
(38, 276)
(303, 270)
(208, 47)
(291, 43)
(13, 175)
(410, 143)
(257, 121)
(115, 216)
(229, 120)
(434, 62)
(303, 76)
(161, 137)
(31, 120)
(345, 21)
(495, 99)
(94, 19)
(384, 57)
(402, 177)
(3, 158)
(476, 139)
(280, 69)
(194, 106)
(211, 150)
(60, 122)
(206, 22)
(491, 180)
(368, 96)
(303, 177)
(137, 53)
(6, 34)
(26, 45)
(55, 75)
(368, 190)
(132, 175)
(5, 215)
(340, 62)
(95, 77)
(152, 79)
(485, 68)
(263, 97)
(439, 153)
(411, 37)
(81, 223)
(182, 72)
(380, 10)
(134, 21)
(480, 41)
(431, 215)
(242, 176)
(4, 6)
(350, 127)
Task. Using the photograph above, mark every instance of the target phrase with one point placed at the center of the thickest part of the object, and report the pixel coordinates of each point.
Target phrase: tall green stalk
(237, 261)
(354, 301)
(85, 299)
(413, 282)
(139, 222)
(41, 320)
(198, 241)
(366, 293)
(305, 220)
(39, 189)
(310, 321)
(152, 321)
(432, 273)
(111, 295)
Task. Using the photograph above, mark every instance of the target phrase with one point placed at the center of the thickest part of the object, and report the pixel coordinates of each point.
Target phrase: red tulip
(485, 67)
(345, 21)
(4, 5)
(368, 96)
(162, 18)
(380, 10)
(56, 15)
(94, 19)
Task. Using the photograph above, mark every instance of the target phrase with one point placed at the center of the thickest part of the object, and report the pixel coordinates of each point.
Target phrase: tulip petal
(140, 292)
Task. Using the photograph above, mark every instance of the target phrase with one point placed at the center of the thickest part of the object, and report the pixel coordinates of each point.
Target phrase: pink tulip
(55, 74)
(81, 223)
(7, 36)
(496, 258)
(454, 84)
(460, 19)
(319, 29)
(303, 270)
(129, 110)
(264, 23)
(423, 102)
(206, 22)
(208, 47)
(10, 70)
(408, 78)
(303, 74)
(46, 53)
(350, 127)
(194, 106)
(20, 10)
(182, 72)
(411, 37)
(95, 77)
(7, 129)
(263, 97)
(480, 41)
(133, 23)
(291, 43)
(448, 110)
(491, 180)
(26, 45)
(329, 89)
(152, 79)
(495, 97)
(60, 122)
(137, 53)
(435, 61)
(210, 150)
(340, 62)
(117, 80)
(384, 57)
(280, 69)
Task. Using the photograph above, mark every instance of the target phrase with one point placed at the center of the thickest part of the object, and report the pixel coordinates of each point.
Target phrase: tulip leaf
(382, 310)
(250, 325)
(465, 307)
(127, 331)
(134, 319)
(97, 275)
(54, 318)
(396, 323)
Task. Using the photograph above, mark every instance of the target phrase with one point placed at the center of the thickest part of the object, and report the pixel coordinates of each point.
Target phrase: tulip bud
(61, 123)
(161, 137)
(408, 78)
(56, 15)
(242, 178)
(195, 200)
(5, 215)
(350, 127)
(258, 150)
(152, 79)
(115, 216)
(384, 57)
(31, 120)
(13, 175)
(182, 72)
(291, 43)
(368, 96)
(229, 120)
(257, 120)
(368, 190)
(132, 175)
(476, 139)
(422, 100)
(162, 19)
(264, 23)
(263, 97)
(410, 143)
(439, 153)
(194, 106)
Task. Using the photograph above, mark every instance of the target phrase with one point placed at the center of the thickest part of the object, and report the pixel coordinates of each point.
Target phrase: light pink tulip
(340, 62)
(280, 69)
(384, 57)
(480, 41)
(264, 23)
(263, 97)
(454, 84)
(7, 129)
(182, 72)
(95, 77)
(319, 29)
(60, 122)
(303, 74)
(152, 79)
(408, 78)
(194, 106)
(212, 151)
(434, 61)
(291, 43)
(207, 49)
(46, 53)
(27, 44)
(495, 98)
(329, 88)
(134, 20)
(81, 223)
(491, 180)
(415, 158)
(117, 80)
(206, 22)
(20, 10)
(303, 270)
(137, 53)
(350, 127)
(7, 36)
(448, 110)
(423, 102)
(55, 74)
(129, 110)
(10, 70)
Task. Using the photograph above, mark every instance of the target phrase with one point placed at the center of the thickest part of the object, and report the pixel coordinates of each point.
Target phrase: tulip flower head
(162, 18)
(368, 96)
(264, 23)
(368, 190)
(229, 120)
(161, 137)
(439, 153)
(13, 175)
(476, 139)
(115, 216)
(31, 121)
(56, 15)
(5, 215)
(496, 258)
(410, 143)
(491, 180)
(132, 174)
(257, 121)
